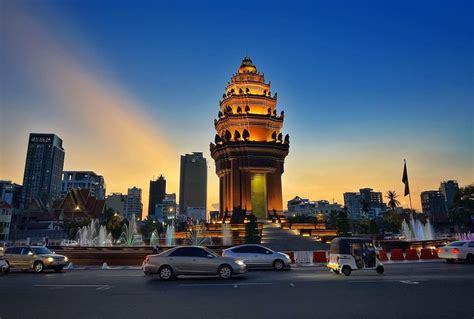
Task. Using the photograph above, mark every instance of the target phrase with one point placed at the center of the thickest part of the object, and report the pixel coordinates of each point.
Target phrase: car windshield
(457, 243)
(41, 250)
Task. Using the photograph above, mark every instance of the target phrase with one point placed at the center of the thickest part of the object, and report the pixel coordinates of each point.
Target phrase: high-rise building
(11, 193)
(43, 168)
(83, 179)
(433, 204)
(352, 201)
(117, 202)
(449, 190)
(192, 182)
(249, 148)
(133, 203)
(157, 194)
(365, 203)
(168, 209)
(6, 212)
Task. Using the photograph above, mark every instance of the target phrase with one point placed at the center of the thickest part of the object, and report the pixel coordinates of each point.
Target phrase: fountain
(130, 236)
(415, 230)
(93, 234)
(196, 238)
(154, 238)
(170, 235)
(226, 235)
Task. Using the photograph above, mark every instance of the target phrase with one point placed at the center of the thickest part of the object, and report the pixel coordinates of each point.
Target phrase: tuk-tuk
(347, 254)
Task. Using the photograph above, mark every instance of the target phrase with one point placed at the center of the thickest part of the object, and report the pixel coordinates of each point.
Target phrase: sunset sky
(131, 85)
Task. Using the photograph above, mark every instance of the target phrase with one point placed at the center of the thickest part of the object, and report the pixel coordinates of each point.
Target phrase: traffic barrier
(319, 256)
(303, 257)
(411, 254)
(383, 255)
(397, 254)
(292, 256)
(426, 253)
(435, 253)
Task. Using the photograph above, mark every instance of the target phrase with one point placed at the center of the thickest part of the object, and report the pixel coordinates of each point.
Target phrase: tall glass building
(43, 168)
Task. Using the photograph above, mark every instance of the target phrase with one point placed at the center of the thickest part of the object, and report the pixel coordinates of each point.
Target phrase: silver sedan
(258, 256)
(192, 260)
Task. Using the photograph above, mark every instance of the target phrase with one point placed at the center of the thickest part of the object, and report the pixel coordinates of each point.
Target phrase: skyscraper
(43, 168)
(133, 203)
(433, 203)
(157, 194)
(192, 182)
(449, 190)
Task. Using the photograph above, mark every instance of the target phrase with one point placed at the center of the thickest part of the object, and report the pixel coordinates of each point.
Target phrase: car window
(41, 250)
(189, 252)
(242, 250)
(457, 243)
(259, 250)
(471, 244)
(13, 250)
(25, 251)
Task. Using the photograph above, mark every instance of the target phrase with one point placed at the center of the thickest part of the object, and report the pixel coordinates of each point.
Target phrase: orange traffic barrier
(319, 257)
(292, 256)
(383, 255)
(426, 253)
(397, 254)
(411, 254)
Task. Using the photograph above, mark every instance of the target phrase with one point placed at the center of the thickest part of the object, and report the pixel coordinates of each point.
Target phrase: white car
(457, 250)
(257, 256)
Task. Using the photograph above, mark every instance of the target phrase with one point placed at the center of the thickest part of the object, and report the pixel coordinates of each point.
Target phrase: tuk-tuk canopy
(342, 245)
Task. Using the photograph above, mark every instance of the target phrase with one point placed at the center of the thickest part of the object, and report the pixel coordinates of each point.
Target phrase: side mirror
(30, 253)
(210, 256)
(267, 252)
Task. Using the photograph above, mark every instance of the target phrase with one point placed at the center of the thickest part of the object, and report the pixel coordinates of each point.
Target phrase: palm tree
(393, 203)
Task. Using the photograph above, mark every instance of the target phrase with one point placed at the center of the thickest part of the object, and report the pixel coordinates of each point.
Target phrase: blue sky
(361, 82)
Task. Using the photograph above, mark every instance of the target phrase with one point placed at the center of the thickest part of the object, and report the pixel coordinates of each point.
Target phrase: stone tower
(249, 148)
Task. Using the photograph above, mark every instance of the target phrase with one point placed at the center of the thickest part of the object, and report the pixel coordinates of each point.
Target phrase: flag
(405, 179)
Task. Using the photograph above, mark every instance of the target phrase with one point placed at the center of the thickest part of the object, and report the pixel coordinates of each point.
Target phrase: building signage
(40, 139)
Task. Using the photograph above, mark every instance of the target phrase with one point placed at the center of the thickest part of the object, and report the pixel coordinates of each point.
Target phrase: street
(416, 290)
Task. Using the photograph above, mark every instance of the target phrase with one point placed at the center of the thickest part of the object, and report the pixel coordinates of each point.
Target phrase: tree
(252, 235)
(392, 221)
(392, 196)
(342, 224)
(373, 227)
(112, 221)
(333, 219)
(461, 211)
(148, 226)
(365, 206)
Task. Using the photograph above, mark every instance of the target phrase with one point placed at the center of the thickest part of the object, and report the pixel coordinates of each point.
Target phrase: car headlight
(50, 259)
(240, 262)
(65, 258)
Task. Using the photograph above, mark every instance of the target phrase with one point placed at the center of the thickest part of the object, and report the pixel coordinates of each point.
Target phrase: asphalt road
(419, 290)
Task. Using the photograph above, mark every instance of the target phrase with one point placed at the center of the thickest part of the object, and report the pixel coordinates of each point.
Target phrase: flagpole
(409, 194)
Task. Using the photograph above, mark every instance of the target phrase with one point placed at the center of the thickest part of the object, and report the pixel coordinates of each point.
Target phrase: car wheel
(379, 270)
(346, 270)
(166, 273)
(449, 261)
(58, 269)
(470, 258)
(225, 272)
(38, 266)
(278, 264)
